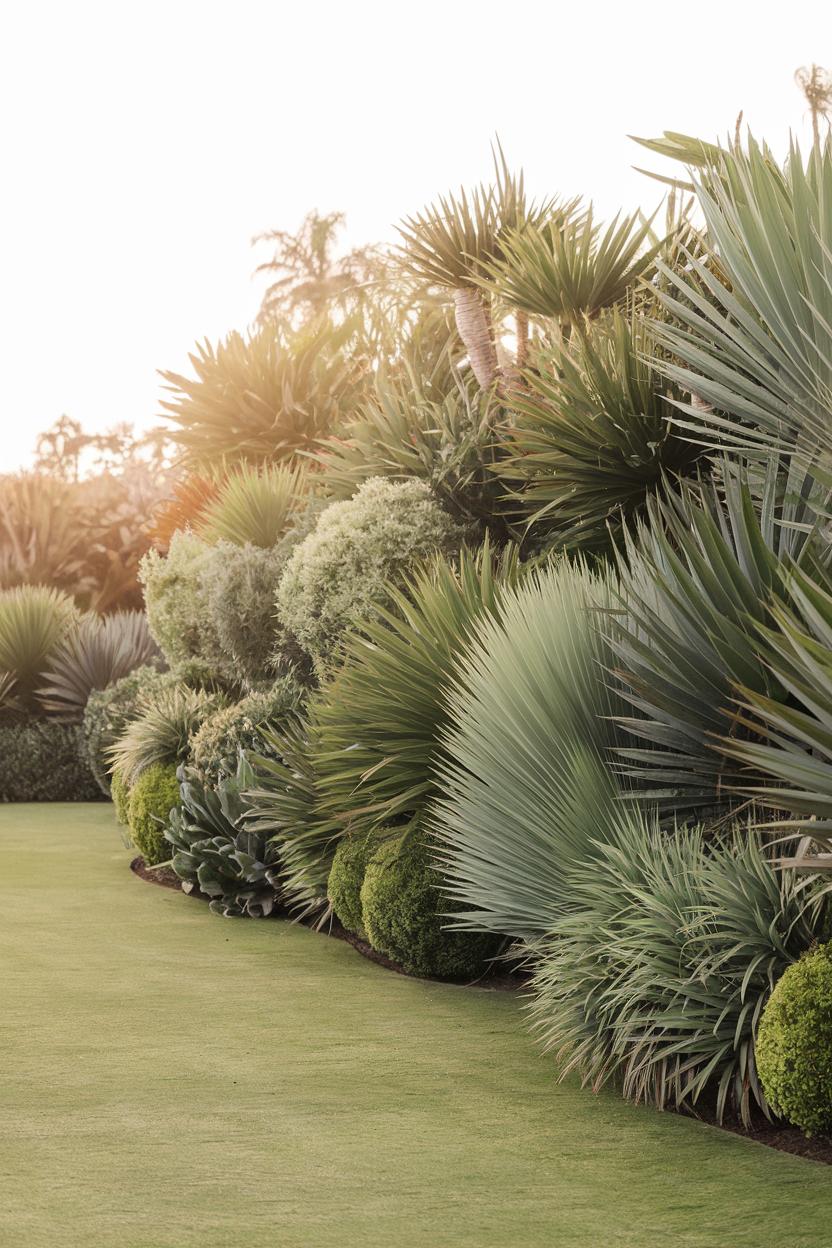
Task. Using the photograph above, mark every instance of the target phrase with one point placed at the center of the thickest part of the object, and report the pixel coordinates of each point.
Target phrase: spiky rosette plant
(452, 244)
(255, 506)
(99, 652)
(217, 853)
(589, 440)
(34, 620)
(263, 398)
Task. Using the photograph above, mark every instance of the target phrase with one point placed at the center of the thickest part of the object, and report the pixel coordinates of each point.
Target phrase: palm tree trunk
(473, 320)
(521, 321)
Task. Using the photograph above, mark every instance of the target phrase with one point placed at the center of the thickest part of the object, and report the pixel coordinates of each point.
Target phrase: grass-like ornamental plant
(380, 718)
(215, 851)
(98, 653)
(525, 781)
(338, 576)
(591, 440)
(153, 796)
(794, 1043)
(162, 731)
(658, 970)
(255, 506)
(34, 620)
(401, 908)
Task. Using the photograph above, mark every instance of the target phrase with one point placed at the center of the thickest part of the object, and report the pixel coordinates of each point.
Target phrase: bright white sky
(144, 144)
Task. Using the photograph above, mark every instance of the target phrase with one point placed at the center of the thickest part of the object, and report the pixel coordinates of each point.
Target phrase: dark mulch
(502, 976)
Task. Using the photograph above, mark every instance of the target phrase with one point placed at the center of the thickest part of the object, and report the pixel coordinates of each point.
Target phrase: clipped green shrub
(794, 1043)
(175, 598)
(215, 850)
(152, 797)
(339, 574)
(109, 711)
(216, 745)
(401, 907)
(120, 793)
(43, 760)
(346, 877)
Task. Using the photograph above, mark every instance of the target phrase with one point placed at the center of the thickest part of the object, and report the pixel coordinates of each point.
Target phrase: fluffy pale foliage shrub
(794, 1044)
(34, 620)
(162, 731)
(42, 760)
(241, 585)
(400, 909)
(525, 771)
(216, 745)
(658, 970)
(177, 610)
(339, 574)
(152, 797)
(215, 851)
(109, 711)
(347, 876)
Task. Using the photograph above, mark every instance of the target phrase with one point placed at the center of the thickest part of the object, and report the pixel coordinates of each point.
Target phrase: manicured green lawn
(173, 1079)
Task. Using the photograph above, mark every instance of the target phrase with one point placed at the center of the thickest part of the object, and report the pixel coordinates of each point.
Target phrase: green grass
(173, 1079)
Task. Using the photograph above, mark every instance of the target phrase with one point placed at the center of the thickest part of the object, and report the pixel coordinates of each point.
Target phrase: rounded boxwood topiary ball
(346, 877)
(794, 1043)
(151, 800)
(401, 911)
(120, 793)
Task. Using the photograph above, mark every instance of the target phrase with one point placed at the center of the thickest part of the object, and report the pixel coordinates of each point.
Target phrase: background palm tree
(816, 84)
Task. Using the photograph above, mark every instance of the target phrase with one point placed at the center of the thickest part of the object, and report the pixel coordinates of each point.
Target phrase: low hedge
(42, 760)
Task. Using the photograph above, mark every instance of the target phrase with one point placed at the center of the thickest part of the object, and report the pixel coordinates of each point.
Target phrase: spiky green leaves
(591, 439)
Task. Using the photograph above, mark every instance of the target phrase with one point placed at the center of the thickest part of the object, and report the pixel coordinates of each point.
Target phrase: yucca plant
(523, 773)
(378, 721)
(453, 242)
(34, 620)
(755, 345)
(255, 506)
(162, 731)
(216, 852)
(96, 654)
(450, 442)
(657, 972)
(590, 440)
(698, 579)
(264, 398)
(568, 268)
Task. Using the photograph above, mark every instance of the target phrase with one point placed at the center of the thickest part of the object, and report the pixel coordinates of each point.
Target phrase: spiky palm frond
(264, 398)
(569, 267)
(697, 581)
(757, 350)
(183, 509)
(524, 778)
(591, 439)
(379, 720)
(98, 653)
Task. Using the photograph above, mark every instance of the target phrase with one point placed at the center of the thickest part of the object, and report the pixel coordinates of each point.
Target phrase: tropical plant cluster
(491, 616)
